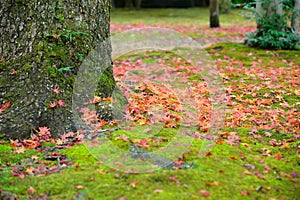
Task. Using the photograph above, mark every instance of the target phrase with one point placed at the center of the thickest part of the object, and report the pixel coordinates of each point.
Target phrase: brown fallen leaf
(133, 184)
(209, 184)
(100, 171)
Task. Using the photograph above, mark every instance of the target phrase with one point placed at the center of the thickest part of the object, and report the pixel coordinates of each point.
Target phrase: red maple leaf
(56, 90)
(204, 193)
(52, 105)
(277, 156)
(61, 103)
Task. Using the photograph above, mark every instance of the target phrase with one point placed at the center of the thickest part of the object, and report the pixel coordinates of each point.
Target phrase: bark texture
(259, 10)
(42, 44)
(274, 8)
(214, 13)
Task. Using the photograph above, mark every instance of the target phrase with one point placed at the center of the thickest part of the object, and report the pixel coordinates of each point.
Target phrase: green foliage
(65, 68)
(273, 31)
(69, 35)
(271, 38)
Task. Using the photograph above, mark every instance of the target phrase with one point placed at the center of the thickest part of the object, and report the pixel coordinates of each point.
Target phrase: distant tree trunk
(224, 6)
(113, 4)
(214, 13)
(271, 9)
(274, 8)
(295, 17)
(259, 10)
(138, 4)
(128, 3)
(42, 44)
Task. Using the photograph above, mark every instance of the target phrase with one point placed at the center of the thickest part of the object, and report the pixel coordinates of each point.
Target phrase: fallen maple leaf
(79, 186)
(277, 156)
(233, 157)
(158, 191)
(34, 157)
(268, 134)
(44, 133)
(52, 105)
(4, 106)
(56, 90)
(208, 154)
(133, 184)
(59, 142)
(209, 184)
(31, 144)
(30, 170)
(31, 190)
(54, 36)
(61, 103)
(21, 176)
(244, 193)
(15, 143)
(117, 176)
(204, 193)
(174, 180)
(100, 171)
(20, 150)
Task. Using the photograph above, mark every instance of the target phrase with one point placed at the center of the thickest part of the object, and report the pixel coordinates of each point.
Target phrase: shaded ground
(255, 156)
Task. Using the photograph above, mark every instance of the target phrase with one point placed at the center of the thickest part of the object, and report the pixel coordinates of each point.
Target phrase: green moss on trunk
(41, 54)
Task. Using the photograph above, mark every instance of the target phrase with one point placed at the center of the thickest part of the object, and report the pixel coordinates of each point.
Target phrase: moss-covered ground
(256, 155)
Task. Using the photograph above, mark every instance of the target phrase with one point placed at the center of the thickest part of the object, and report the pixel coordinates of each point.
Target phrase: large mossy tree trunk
(42, 45)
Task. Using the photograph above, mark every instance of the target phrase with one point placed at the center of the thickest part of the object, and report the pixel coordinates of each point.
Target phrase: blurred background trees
(224, 5)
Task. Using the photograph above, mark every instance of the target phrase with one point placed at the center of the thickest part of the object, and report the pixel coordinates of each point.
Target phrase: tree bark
(214, 13)
(295, 17)
(274, 8)
(259, 10)
(42, 45)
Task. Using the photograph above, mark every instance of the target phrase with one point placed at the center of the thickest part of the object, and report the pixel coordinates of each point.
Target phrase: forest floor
(252, 154)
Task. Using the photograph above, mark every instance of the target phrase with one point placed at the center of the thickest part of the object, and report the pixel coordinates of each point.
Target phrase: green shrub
(273, 39)
(273, 31)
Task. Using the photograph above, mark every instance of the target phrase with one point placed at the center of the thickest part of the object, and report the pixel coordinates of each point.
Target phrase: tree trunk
(224, 6)
(295, 17)
(138, 4)
(274, 8)
(259, 10)
(42, 45)
(214, 13)
(128, 3)
(113, 4)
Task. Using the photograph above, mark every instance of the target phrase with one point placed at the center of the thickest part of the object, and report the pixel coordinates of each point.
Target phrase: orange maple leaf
(4, 106)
